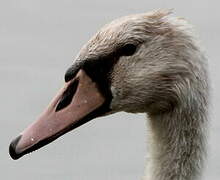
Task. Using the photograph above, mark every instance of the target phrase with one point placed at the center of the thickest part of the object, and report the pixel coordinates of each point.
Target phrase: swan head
(132, 64)
(135, 59)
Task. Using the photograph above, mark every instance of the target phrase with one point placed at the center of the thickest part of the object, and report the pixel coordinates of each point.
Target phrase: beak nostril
(12, 148)
(67, 95)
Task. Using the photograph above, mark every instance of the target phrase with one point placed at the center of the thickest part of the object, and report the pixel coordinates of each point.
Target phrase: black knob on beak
(72, 71)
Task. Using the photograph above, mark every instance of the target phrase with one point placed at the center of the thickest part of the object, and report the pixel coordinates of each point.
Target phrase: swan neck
(176, 144)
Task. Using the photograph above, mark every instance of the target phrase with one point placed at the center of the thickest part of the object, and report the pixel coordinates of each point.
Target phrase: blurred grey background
(38, 41)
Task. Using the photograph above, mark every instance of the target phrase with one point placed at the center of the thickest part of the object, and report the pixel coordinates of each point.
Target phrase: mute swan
(145, 63)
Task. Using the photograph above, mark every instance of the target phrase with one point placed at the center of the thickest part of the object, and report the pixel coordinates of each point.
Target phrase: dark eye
(128, 50)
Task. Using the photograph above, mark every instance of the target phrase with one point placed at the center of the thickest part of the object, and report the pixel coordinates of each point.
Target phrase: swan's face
(128, 61)
(119, 69)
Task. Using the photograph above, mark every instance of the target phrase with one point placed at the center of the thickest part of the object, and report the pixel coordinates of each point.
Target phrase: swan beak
(79, 101)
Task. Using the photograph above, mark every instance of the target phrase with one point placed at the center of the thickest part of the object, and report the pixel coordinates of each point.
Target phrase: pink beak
(56, 119)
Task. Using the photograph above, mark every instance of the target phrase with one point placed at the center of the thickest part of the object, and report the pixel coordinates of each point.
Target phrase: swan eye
(128, 50)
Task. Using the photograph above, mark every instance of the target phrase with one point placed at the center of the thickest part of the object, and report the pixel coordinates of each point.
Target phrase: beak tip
(12, 148)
